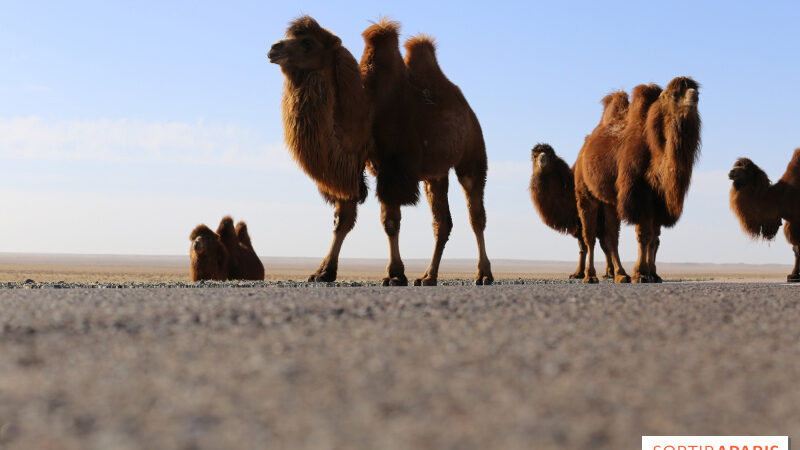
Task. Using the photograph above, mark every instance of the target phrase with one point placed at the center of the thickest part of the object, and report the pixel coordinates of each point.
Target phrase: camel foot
(425, 281)
(590, 279)
(657, 279)
(323, 276)
(484, 280)
(609, 274)
(622, 278)
(576, 276)
(793, 278)
(395, 281)
(641, 278)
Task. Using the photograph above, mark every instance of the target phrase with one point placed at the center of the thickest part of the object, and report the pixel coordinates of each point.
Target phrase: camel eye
(307, 44)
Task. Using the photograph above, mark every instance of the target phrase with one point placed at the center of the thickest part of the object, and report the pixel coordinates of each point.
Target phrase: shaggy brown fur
(423, 127)
(644, 171)
(243, 263)
(591, 209)
(327, 122)
(552, 190)
(760, 205)
(208, 255)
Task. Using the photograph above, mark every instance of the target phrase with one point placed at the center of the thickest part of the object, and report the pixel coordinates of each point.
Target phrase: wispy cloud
(126, 141)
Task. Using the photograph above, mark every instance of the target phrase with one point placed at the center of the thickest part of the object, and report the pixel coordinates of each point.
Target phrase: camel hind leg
(395, 270)
(587, 210)
(436, 192)
(652, 249)
(602, 232)
(645, 235)
(473, 182)
(611, 238)
(344, 219)
(581, 269)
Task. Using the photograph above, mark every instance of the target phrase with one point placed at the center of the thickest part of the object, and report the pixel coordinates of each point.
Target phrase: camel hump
(615, 107)
(381, 30)
(421, 54)
(226, 230)
(243, 235)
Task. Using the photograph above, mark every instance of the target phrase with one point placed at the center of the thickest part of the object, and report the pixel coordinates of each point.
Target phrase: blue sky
(123, 125)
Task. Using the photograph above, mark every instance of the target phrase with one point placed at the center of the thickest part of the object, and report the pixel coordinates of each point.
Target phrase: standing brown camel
(553, 193)
(760, 206)
(643, 172)
(423, 127)
(326, 122)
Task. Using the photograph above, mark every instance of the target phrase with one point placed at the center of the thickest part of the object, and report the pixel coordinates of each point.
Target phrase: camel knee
(391, 226)
(442, 228)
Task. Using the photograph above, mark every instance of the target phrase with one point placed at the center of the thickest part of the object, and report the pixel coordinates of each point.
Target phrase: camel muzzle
(276, 53)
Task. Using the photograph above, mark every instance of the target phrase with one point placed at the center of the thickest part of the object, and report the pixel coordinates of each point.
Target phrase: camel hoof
(657, 279)
(793, 278)
(622, 279)
(576, 276)
(425, 281)
(641, 279)
(590, 279)
(324, 276)
(485, 280)
(395, 281)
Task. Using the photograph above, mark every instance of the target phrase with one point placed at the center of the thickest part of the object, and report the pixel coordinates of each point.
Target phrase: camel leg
(611, 237)
(644, 235)
(436, 191)
(473, 186)
(344, 219)
(587, 209)
(794, 277)
(395, 271)
(609, 263)
(579, 272)
(652, 249)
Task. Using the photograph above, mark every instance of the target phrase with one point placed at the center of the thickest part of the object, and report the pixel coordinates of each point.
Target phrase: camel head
(543, 156)
(680, 97)
(748, 176)
(307, 47)
(205, 243)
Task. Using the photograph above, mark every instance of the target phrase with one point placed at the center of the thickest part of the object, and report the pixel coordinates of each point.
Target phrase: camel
(422, 127)
(243, 263)
(642, 171)
(208, 255)
(226, 254)
(552, 190)
(327, 123)
(760, 206)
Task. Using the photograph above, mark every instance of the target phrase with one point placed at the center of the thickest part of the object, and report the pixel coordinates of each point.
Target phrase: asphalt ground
(534, 365)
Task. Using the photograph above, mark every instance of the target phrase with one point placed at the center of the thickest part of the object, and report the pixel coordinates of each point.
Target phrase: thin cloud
(129, 141)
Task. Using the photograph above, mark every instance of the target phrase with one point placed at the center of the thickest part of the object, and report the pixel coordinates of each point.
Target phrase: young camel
(423, 127)
(760, 205)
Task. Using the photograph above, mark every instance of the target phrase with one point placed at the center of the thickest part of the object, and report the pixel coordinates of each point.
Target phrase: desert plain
(105, 352)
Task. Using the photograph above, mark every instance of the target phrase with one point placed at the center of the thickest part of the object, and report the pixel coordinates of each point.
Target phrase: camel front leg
(344, 219)
(609, 262)
(436, 191)
(794, 277)
(395, 270)
(644, 236)
(652, 249)
(473, 186)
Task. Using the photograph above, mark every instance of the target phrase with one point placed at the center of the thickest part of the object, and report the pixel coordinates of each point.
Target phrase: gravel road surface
(536, 365)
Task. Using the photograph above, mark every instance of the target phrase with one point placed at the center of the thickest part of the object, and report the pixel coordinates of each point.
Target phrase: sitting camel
(760, 205)
(225, 255)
